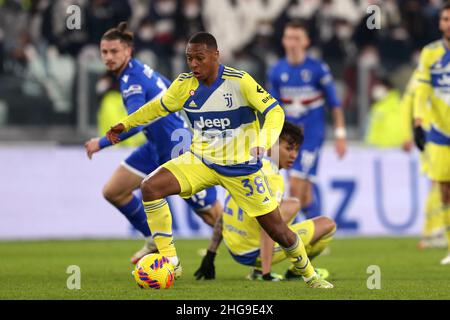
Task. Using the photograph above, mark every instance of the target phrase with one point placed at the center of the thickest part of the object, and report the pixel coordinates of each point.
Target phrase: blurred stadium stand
(49, 75)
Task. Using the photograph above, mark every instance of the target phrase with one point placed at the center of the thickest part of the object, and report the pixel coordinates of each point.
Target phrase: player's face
(295, 40)
(201, 60)
(444, 24)
(115, 54)
(287, 153)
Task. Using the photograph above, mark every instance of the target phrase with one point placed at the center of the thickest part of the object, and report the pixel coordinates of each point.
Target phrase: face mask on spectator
(165, 7)
(265, 30)
(146, 33)
(102, 86)
(344, 32)
(191, 11)
(379, 92)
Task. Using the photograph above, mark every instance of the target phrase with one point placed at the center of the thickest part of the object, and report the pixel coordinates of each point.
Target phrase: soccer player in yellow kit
(242, 235)
(222, 106)
(433, 235)
(434, 88)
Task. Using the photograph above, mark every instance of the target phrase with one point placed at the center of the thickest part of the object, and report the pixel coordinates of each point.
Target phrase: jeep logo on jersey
(229, 99)
(217, 123)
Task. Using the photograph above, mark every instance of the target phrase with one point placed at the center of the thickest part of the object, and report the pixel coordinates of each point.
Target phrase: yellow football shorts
(251, 192)
(439, 162)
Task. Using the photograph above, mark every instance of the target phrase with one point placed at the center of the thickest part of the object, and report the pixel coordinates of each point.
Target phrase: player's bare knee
(110, 194)
(295, 192)
(295, 203)
(327, 225)
(331, 226)
(306, 200)
(149, 192)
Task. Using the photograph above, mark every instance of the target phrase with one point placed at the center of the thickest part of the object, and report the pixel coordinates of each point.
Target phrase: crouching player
(247, 242)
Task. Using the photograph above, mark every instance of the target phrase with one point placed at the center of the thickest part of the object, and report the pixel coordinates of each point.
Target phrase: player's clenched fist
(113, 134)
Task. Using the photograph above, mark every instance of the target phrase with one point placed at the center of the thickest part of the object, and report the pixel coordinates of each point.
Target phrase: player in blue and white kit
(304, 86)
(138, 85)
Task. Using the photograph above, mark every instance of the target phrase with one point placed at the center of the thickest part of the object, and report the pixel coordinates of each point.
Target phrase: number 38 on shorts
(257, 184)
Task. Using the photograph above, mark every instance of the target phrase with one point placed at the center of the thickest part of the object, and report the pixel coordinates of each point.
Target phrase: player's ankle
(307, 279)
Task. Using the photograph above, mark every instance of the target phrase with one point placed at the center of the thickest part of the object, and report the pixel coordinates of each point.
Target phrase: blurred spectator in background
(189, 20)
(145, 46)
(385, 128)
(238, 22)
(54, 29)
(112, 110)
(104, 14)
(160, 25)
(37, 47)
(14, 17)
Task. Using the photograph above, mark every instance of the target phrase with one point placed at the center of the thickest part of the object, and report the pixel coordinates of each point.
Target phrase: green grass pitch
(37, 270)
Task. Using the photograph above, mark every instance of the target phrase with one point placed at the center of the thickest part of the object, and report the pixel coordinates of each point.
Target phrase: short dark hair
(296, 24)
(445, 6)
(292, 133)
(204, 38)
(121, 33)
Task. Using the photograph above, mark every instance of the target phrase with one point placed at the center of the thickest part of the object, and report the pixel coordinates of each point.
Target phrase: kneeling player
(247, 242)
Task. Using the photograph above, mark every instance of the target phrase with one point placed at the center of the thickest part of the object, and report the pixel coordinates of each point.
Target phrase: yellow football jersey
(408, 112)
(407, 107)
(433, 86)
(242, 233)
(223, 117)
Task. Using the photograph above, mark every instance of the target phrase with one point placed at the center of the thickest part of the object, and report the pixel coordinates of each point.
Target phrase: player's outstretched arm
(113, 134)
(146, 114)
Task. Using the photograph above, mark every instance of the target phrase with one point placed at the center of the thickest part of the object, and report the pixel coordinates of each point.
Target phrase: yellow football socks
(299, 258)
(436, 213)
(427, 224)
(159, 220)
(446, 214)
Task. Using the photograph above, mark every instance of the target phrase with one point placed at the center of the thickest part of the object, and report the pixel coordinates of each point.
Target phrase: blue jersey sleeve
(273, 85)
(103, 143)
(135, 93)
(327, 84)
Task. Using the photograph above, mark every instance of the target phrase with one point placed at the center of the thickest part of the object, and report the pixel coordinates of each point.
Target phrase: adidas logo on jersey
(217, 123)
(193, 104)
(266, 200)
